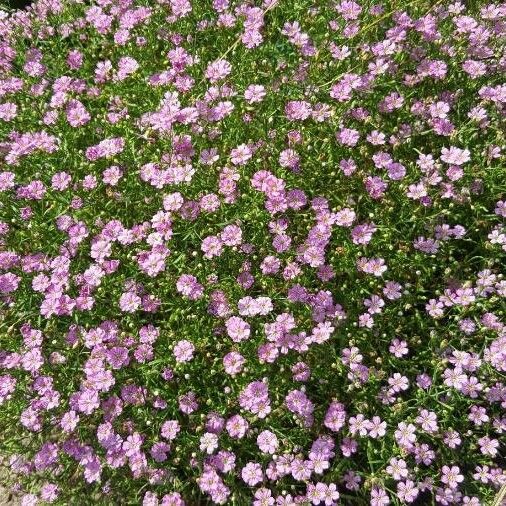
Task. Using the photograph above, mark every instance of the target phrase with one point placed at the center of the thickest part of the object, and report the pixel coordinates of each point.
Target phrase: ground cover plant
(253, 252)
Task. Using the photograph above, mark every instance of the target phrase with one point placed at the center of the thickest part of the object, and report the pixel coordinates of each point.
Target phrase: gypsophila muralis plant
(253, 252)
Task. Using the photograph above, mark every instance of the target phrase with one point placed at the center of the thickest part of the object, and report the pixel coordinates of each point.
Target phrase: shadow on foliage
(16, 4)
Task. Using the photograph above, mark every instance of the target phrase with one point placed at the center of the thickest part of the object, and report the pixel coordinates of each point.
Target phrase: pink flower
(252, 473)
(241, 154)
(211, 246)
(9, 282)
(298, 110)
(8, 111)
(183, 351)
(348, 137)
(233, 363)
(237, 329)
(236, 426)
(218, 70)
(455, 156)
(129, 302)
(231, 235)
(208, 442)
(254, 93)
(349, 9)
(88, 401)
(267, 442)
(170, 429)
(77, 115)
(451, 476)
(345, 217)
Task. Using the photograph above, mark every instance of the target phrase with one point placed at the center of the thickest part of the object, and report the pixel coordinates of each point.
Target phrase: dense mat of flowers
(253, 252)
